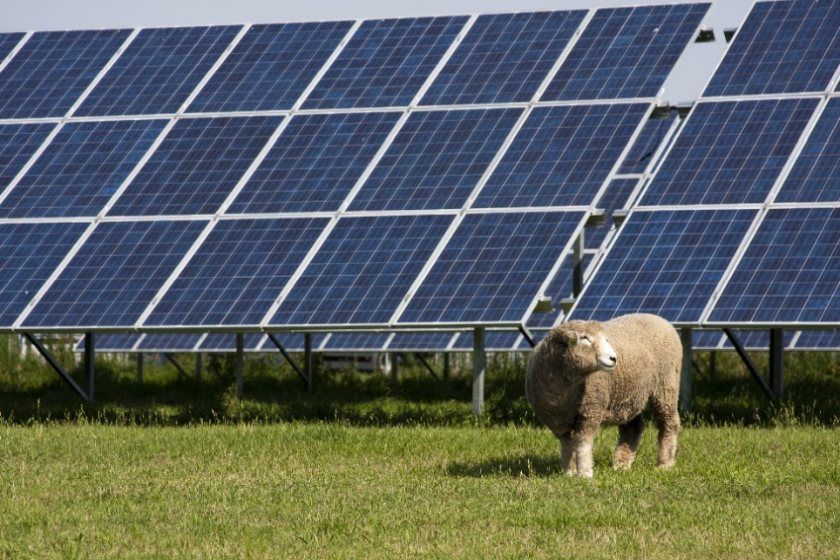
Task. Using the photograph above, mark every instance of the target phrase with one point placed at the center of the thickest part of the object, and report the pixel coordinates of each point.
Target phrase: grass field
(363, 468)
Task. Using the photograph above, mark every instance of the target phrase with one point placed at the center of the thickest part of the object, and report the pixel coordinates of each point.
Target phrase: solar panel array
(420, 172)
(739, 225)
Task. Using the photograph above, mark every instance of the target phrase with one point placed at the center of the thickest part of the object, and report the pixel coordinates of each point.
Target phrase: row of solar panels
(453, 215)
(495, 341)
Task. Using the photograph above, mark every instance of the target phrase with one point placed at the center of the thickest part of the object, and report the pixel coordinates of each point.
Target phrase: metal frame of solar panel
(192, 172)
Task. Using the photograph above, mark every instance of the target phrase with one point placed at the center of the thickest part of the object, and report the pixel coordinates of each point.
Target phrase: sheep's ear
(570, 337)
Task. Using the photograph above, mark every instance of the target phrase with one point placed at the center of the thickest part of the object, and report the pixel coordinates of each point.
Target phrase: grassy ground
(325, 490)
(364, 468)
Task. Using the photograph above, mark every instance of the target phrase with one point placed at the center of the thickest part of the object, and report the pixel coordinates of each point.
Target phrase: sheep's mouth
(606, 366)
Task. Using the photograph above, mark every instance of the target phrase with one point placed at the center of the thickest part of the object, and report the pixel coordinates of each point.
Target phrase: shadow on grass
(522, 466)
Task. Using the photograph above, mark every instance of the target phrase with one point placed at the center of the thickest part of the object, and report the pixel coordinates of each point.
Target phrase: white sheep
(585, 374)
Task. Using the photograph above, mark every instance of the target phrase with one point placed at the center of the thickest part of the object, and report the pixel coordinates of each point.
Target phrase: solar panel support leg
(479, 371)
(776, 367)
(57, 367)
(139, 370)
(447, 366)
(199, 367)
(309, 364)
(240, 363)
(577, 274)
(713, 365)
(90, 364)
(685, 373)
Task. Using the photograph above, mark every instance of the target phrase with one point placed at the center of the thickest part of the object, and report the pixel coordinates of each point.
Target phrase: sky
(688, 79)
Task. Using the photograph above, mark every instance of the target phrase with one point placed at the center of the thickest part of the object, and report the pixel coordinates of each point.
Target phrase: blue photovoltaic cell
(110, 342)
(196, 166)
(237, 273)
(503, 58)
(493, 340)
(115, 274)
(81, 169)
(492, 268)
(560, 287)
(29, 253)
(292, 342)
(756, 340)
(226, 342)
(644, 147)
(18, 142)
(8, 41)
(50, 72)
(615, 197)
(363, 270)
(706, 340)
(666, 262)
(356, 341)
(782, 47)
(167, 342)
(436, 160)
(270, 67)
(790, 272)
(158, 71)
(561, 156)
(730, 153)
(315, 163)
(820, 340)
(385, 62)
(814, 177)
(626, 52)
(421, 341)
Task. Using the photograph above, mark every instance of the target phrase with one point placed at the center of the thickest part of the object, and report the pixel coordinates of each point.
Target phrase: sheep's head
(585, 345)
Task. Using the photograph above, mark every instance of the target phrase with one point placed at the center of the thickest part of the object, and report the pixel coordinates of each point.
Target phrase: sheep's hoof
(622, 466)
(666, 466)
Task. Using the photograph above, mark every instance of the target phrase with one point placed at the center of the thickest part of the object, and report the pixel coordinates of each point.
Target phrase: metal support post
(447, 366)
(309, 364)
(713, 365)
(199, 366)
(577, 275)
(685, 374)
(90, 365)
(139, 376)
(240, 363)
(777, 365)
(479, 371)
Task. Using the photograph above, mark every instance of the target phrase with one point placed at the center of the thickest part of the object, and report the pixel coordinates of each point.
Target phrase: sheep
(585, 374)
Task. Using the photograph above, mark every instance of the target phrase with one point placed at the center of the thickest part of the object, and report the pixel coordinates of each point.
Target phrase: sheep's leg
(583, 443)
(668, 422)
(629, 436)
(567, 454)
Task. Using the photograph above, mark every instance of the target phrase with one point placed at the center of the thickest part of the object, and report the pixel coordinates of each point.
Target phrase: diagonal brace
(748, 362)
(306, 379)
(57, 367)
(427, 365)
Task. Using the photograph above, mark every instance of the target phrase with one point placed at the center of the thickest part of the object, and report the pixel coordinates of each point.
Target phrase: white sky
(687, 81)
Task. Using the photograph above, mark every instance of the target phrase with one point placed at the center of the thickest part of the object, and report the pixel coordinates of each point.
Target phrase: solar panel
(420, 341)
(8, 42)
(814, 175)
(493, 341)
(315, 163)
(52, 69)
(81, 169)
(665, 262)
(651, 137)
(818, 340)
(362, 271)
(492, 268)
(226, 342)
(504, 58)
(237, 273)
(196, 167)
(626, 52)
(436, 160)
(354, 341)
(167, 342)
(115, 274)
(790, 272)
(706, 339)
(560, 288)
(385, 62)
(270, 67)
(29, 253)
(18, 143)
(782, 47)
(158, 71)
(111, 342)
(561, 156)
(293, 342)
(730, 153)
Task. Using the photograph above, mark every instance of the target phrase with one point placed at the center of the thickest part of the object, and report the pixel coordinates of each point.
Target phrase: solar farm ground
(363, 468)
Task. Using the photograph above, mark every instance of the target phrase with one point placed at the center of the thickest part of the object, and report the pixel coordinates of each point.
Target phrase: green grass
(325, 490)
(367, 468)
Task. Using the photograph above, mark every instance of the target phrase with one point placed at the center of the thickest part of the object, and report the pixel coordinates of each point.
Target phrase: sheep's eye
(586, 340)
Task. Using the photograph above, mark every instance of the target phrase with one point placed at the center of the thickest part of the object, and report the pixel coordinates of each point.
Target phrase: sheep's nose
(612, 359)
